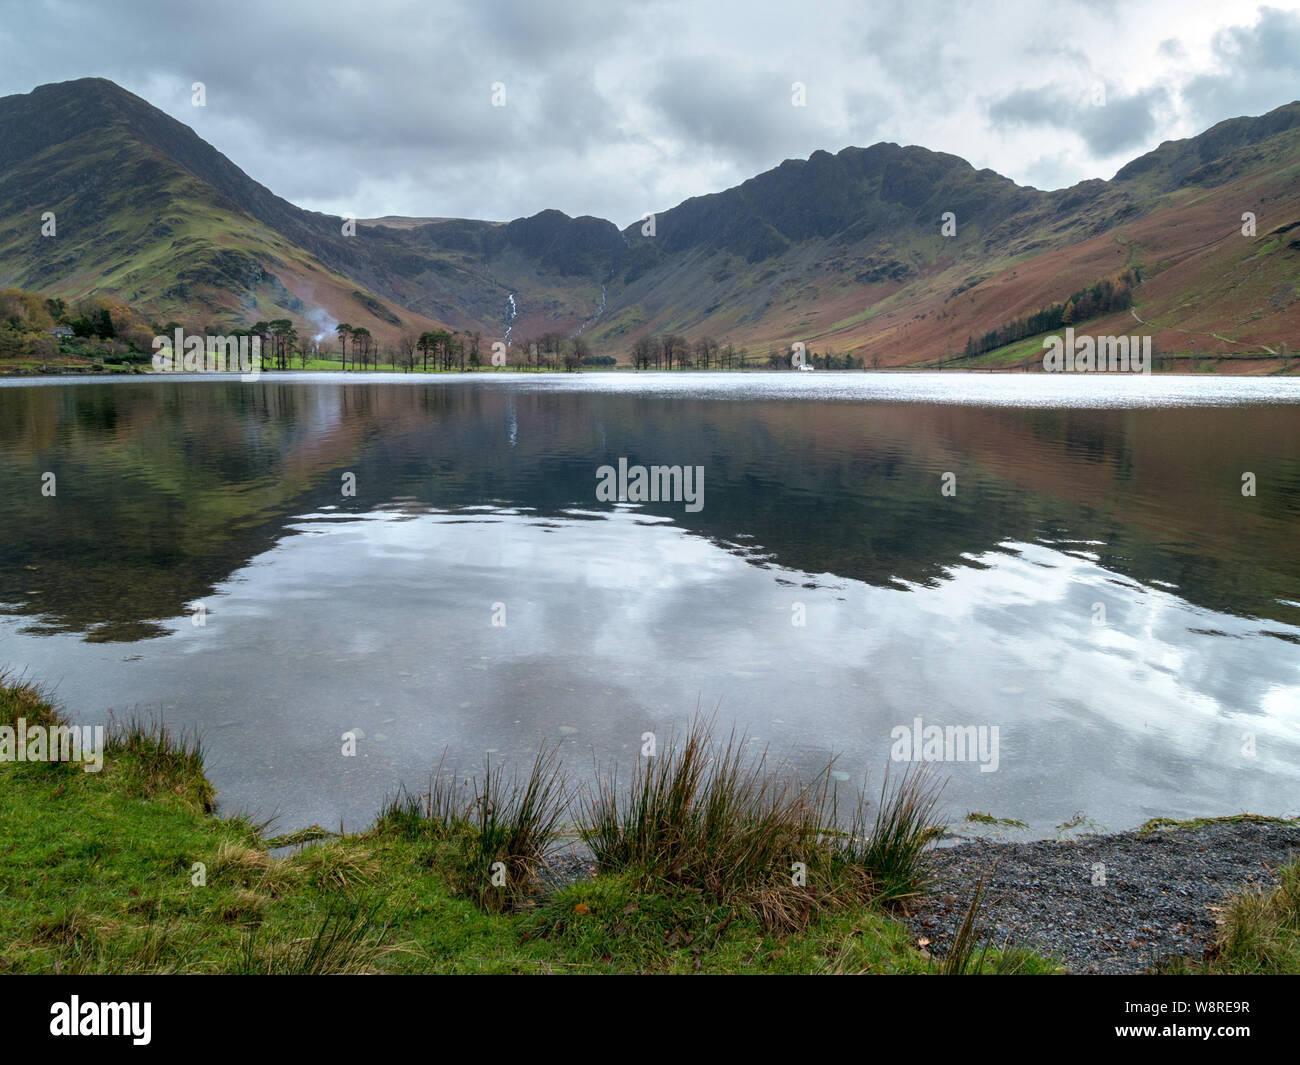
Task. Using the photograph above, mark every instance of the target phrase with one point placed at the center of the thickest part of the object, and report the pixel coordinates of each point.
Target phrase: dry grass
(1259, 931)
(711, 818)
(347, 941)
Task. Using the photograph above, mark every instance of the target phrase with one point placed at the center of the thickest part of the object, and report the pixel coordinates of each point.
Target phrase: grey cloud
(319, 107)
(1122, 123)
(1048, 172)
(869, 114)
(552, 31)
(911, 42)
(1125, 123)
(749, 115)
(1259, 68)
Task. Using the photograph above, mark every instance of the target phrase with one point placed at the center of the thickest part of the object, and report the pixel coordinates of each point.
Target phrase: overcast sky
(615, 109)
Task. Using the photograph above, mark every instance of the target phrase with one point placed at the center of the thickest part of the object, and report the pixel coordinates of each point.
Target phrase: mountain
(843, 252)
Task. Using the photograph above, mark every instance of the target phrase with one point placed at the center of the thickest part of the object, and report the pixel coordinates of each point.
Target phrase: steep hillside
(844, 252)
(146, 210)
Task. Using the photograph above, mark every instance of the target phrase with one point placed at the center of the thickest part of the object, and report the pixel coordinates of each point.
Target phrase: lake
(1071, 560)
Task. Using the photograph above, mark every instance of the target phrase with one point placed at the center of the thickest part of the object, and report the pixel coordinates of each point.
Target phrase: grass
(1258, 933)
(1260, 930)
(129, 871)
(709, 818)
(1161, 824)
(980, 818)
(969, 956)
(347, 941)
(152, 761)
(493, 840)
(712, 821)
(892, 855)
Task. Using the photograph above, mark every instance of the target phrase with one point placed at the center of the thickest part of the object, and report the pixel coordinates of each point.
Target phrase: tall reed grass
(710, 817)
(498, 831)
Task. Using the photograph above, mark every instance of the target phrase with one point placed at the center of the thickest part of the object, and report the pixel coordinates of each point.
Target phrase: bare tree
(406, 345)
(577, 350)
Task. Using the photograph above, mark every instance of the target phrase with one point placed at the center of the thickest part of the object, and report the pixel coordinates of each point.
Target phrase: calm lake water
(1077, 501)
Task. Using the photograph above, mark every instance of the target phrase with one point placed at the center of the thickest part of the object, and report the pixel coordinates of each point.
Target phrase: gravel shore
(1155, 902)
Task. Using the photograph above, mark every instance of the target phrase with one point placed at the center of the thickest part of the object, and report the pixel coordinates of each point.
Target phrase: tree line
(38, 327)
(1103, 297)
(30, 324)
(671, 351)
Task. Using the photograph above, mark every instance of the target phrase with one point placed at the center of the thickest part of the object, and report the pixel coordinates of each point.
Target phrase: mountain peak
(1174, 163)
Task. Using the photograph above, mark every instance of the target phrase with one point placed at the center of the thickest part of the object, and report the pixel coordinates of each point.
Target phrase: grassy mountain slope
(147, 211)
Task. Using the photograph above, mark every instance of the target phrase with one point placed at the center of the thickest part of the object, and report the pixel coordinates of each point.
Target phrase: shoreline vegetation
(706, 860)
(1174, 365)
(1168, 363)
(48, 336)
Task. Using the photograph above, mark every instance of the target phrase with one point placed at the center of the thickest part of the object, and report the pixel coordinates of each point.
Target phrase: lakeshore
(1198, 364)
(178, 888)
(476, 595)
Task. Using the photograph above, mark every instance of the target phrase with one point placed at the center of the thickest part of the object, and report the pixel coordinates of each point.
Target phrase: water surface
(475, 501)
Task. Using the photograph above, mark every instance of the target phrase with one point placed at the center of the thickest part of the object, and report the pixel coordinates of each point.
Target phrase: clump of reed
(711, 818)
(890, 845)
(702, 816)
(497, 831)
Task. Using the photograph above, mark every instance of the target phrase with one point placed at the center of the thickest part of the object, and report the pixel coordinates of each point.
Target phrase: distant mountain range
(843, 252)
